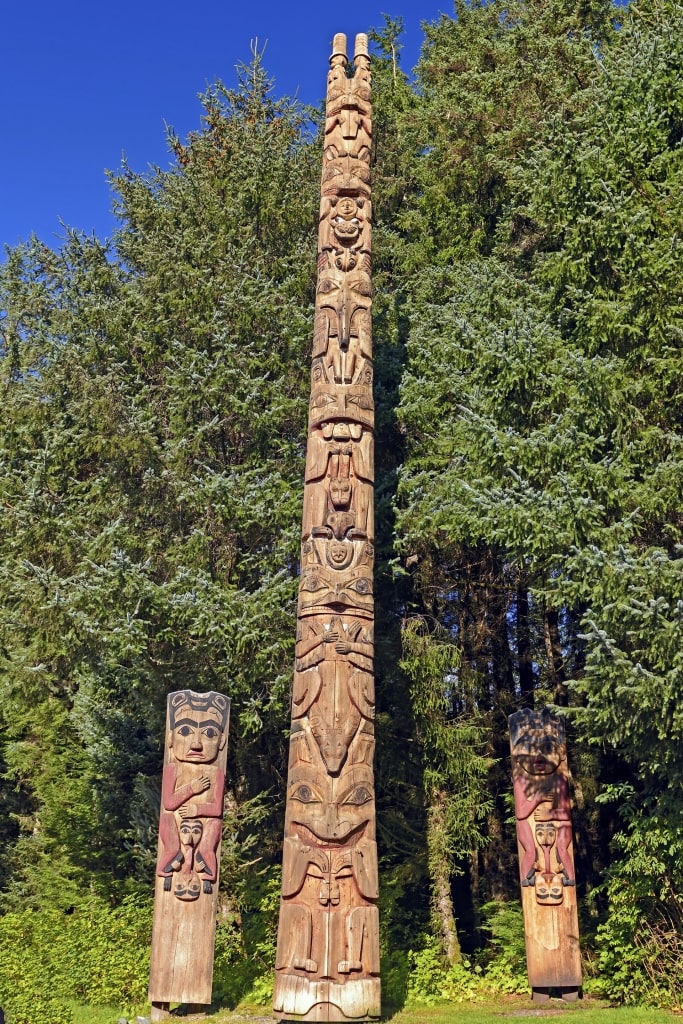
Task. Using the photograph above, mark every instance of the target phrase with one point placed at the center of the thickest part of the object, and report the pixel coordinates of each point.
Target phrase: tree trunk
(553, 648)
(440, 877)
(526, 668)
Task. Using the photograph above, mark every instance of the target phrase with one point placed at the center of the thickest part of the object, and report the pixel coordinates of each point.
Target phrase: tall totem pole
(327, 966)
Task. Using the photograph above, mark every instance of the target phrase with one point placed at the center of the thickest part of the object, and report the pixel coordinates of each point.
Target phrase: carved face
(352, 403)
(190, 831)
(541, 757)
(548, 888)
(187, 889)
(346, 221)
(329, 810)
(340, 493)
(545, 833)
(339, 553)
(195, 737)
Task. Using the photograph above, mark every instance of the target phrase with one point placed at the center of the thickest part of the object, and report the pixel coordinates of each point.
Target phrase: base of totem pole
(542, 995)
(162, 1011)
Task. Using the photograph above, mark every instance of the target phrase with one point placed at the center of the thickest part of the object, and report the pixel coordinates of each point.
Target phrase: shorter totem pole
(190, 827)
(544, 837)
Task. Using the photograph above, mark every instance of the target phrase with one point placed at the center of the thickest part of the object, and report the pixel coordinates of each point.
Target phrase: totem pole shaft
(188, 859)
(546, 856)
(327, 966)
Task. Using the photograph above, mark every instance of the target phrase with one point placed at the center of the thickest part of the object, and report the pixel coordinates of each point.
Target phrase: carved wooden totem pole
(544, 838)
(190, 825)
(327, 966)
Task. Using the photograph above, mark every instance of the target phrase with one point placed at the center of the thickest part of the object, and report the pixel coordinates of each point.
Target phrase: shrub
(432, 981)
(97, 954)
(505, 957)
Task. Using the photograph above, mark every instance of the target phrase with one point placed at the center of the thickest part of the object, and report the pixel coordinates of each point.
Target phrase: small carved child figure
(192, 791)
(187, 884)
(541, 790)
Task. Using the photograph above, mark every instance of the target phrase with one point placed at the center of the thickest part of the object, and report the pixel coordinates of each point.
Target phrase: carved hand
(188, 811)
(200, 785)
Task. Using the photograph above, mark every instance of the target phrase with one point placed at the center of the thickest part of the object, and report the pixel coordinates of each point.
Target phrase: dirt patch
(553, 1012)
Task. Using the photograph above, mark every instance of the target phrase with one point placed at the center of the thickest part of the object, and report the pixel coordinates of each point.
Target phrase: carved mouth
(307, 836)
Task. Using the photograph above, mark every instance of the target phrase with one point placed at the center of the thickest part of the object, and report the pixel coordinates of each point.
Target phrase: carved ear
(169, 741)
(224, 740)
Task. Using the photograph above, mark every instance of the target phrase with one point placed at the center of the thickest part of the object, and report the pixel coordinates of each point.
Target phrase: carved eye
(185, 730)
(360, 795)
(210, 732)
(362, 586)
(306, 795)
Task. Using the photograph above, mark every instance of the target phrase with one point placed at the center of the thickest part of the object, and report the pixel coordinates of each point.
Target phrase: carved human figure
(348, 124)
(549, 879)
(340, 504)
(187, 884)
(541, 789)
(192, 790)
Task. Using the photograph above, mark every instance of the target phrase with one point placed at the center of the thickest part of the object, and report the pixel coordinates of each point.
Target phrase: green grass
(94, 1014)
(511, 1009)
(507, 1010)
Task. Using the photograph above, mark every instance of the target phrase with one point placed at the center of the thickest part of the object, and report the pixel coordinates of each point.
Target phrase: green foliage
(97, 954)
(246, 941)
(505, 958)
(431, 981)
(36, 1009)
(639, 945)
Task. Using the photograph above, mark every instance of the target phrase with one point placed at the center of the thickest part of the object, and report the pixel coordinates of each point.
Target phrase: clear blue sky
(82, 84)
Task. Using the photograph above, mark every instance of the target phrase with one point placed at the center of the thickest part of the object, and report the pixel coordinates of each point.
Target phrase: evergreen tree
(154, 407)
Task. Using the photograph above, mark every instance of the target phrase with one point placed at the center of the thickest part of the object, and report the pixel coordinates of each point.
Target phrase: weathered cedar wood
(546, 857)
(188, 859)
(327, 965)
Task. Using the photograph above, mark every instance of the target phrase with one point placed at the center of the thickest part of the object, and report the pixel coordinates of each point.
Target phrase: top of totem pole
(361, 46)
(531, 728)
(537, 742)
(339, 48)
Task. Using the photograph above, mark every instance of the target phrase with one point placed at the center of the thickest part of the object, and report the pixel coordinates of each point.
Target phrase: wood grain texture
(188, 858)
(545, 844)
(327, 965)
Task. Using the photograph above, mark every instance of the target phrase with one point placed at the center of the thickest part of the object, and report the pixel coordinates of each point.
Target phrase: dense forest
(528, 273)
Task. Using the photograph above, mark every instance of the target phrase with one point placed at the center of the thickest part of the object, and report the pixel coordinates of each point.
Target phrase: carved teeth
(308, 836)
